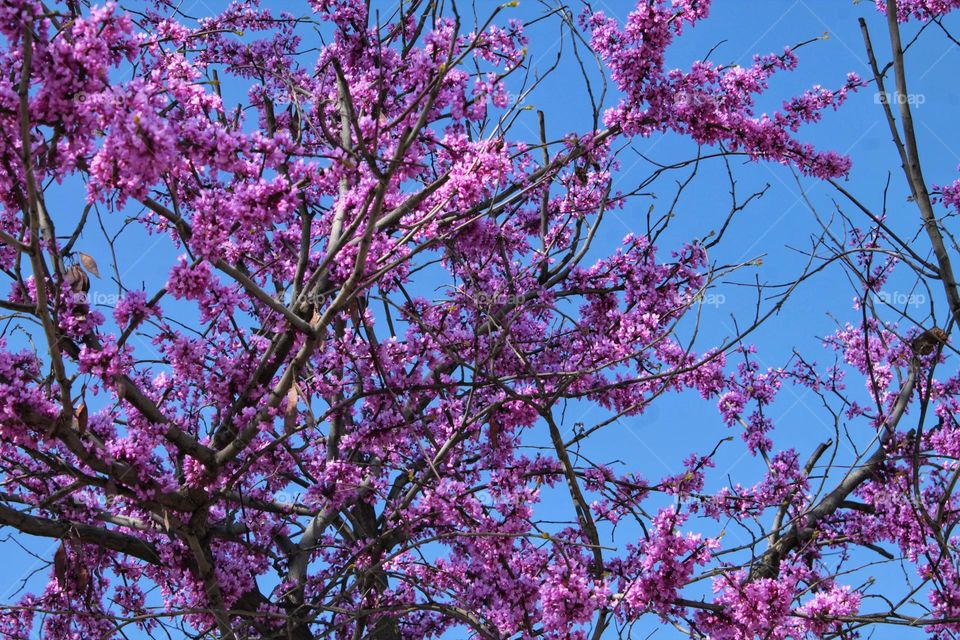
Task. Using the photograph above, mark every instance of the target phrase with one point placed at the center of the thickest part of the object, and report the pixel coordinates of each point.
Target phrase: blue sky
(657, 441)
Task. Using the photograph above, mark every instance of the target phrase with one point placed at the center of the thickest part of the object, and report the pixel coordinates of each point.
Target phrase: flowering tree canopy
(338, 408)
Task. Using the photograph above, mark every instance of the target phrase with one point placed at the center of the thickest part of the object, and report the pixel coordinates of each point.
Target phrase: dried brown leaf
(82, 577)
(290, 415)
(89, 264)
(60, 564)
(76, 279)
(81, 415)
(927, 342)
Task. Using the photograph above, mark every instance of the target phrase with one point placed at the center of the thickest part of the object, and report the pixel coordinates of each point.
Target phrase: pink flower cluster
(711, 104)
(919, 9)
